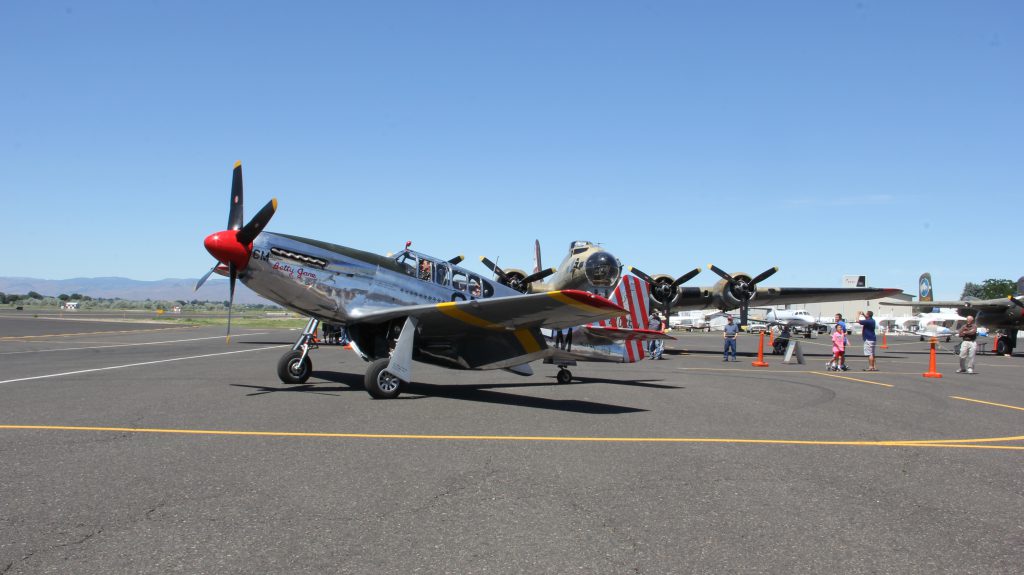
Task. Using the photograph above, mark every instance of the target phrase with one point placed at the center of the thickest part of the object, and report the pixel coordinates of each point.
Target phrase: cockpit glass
(602, 269)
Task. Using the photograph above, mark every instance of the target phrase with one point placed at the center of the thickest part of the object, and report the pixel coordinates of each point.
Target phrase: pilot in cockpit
(425, 270)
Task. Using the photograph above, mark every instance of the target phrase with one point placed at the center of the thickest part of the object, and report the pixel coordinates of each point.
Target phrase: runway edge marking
(140, 364)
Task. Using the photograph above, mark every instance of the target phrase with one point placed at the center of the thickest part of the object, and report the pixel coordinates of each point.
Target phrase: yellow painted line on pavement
(851, 378)
(936, 443)
(987, 402)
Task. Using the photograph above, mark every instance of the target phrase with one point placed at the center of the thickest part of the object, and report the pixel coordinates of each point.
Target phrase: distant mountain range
(215, 289)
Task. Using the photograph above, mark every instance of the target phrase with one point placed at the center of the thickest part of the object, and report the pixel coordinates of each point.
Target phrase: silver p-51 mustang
(396, 309)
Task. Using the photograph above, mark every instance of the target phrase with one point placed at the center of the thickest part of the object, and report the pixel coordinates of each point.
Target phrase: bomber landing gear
(564, 376)
(295, 367)
(380, 383)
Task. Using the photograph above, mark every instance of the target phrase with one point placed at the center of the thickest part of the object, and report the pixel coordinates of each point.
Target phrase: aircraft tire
(564, 376)
(379, 383)
(291, 371)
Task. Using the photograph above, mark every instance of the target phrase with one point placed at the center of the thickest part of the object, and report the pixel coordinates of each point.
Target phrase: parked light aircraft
(396, 309)
(792, 319)
(1005, 314)
(589, 267)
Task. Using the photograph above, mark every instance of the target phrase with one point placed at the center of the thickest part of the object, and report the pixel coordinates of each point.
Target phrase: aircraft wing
(994, 305)
(699, 298)
(554, 310)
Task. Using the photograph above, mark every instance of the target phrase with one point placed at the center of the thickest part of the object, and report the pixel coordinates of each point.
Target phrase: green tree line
(989, 289)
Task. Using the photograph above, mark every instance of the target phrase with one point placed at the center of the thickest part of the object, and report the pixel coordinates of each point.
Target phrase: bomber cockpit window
(474, 287)
(488, 288)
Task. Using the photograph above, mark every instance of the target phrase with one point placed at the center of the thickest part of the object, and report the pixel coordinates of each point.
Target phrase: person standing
(729, 333)
(969, 345)
(838, 350)
(841, 323)
(867, 322)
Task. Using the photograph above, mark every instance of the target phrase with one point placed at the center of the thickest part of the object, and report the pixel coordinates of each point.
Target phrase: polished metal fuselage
(341, 285)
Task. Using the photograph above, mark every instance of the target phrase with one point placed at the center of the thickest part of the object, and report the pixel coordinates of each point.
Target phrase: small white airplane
(792, 319)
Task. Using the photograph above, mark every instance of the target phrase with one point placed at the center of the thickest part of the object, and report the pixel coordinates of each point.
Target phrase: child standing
(838, 349)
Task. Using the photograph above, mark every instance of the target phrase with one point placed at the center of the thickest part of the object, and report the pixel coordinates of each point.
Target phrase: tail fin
(924, 292)
(632, 294)
(924, 287)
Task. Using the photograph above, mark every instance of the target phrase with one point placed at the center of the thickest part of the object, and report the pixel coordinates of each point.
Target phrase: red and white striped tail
(633, 294)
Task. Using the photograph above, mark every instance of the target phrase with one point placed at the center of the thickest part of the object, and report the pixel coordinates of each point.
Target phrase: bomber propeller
(233, 246)
(515, 280)
(665, 291)
(742, 289)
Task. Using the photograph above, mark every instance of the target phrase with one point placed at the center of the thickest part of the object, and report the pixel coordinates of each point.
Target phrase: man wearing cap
(731, 329)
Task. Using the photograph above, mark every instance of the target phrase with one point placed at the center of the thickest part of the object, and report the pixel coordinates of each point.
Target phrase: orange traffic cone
(760, 353)
(995, 344)
(885, 343)
(932, 372)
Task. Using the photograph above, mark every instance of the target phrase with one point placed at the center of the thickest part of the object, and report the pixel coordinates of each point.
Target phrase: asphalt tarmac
(138, 448)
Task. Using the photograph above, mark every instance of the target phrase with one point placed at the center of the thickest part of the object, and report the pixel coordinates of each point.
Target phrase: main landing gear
(564, 375)
(295, 367)
(387, 376)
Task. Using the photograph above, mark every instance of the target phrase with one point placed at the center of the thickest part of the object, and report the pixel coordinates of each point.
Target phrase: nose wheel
(564, 376)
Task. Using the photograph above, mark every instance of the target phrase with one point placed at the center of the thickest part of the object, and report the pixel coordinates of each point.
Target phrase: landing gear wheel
(564, 376)
(379, 383)
(294, 369)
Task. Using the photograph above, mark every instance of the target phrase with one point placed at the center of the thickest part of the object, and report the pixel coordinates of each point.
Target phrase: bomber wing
(554, 310)
(699, 298)
(994, 305)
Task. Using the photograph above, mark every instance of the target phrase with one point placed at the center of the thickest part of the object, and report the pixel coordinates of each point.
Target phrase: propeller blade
(538, 276)
(686, 277)
(1016, 301)
(641, 275)
(232, 277)
(744, 307)
(764, 275)
(205, 277)
(252, 229)
(721, 273)
(493, 267)
(236, 215)
(456, 260)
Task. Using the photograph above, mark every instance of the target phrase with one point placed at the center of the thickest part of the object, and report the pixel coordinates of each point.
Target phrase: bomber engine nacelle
(731, 295)
(514, 279)
(661, 290)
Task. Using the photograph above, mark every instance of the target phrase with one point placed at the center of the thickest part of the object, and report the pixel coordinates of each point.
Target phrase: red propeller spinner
(233, 246)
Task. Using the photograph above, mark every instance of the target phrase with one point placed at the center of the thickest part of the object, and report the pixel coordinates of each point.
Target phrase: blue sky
(827, 138)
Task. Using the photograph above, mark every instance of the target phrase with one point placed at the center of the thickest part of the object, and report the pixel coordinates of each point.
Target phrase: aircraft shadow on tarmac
(483, 393)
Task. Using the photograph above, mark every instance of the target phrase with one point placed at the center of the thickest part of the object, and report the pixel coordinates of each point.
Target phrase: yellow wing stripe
(527, 340)
(524, 335)
(449, 309)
